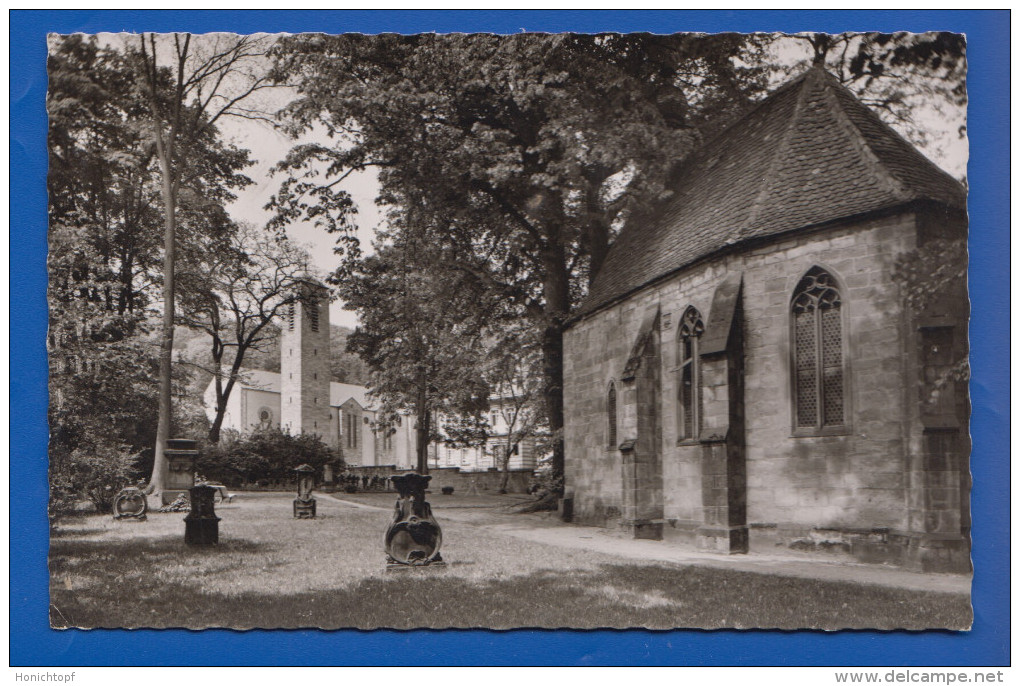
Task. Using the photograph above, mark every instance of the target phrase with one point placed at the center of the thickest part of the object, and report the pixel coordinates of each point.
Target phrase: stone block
(726, 540)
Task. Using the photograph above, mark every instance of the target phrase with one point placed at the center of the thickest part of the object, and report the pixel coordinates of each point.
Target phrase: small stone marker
(202, 526)
(304, 504)
(130, 504)
(413, 537)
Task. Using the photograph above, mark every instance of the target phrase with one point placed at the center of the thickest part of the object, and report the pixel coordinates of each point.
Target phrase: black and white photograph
(532, 330)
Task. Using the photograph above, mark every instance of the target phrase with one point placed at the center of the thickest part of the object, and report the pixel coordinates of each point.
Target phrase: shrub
(447, 490)
(95, 474)
(545, 484)
(264, 456)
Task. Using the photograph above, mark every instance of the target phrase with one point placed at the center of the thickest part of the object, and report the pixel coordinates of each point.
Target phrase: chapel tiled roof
(809, 154)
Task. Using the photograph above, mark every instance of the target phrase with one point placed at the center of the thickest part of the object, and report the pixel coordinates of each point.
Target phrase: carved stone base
(644, 529)
(435, 562)
(204, 531)
(130, 505)
(727, 540)
(304, 509)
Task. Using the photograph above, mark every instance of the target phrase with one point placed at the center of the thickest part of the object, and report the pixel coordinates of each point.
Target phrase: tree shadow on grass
(608, 596)
(154, 547)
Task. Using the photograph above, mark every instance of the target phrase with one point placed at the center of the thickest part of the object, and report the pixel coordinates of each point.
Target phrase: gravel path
(545, 528)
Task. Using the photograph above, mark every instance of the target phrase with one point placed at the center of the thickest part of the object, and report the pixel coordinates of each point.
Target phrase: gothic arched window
(611, 414)
(688, 361)
(819, 388)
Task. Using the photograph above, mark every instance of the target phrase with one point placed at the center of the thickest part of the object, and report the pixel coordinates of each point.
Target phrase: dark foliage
(269, 455)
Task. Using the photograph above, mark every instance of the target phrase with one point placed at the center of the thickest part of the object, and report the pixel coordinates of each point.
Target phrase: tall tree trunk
(221, 397)
(597, 224)
(599, 248)
(504, 479)
(166, 349)
(557, 297)
(424, 431)
(217, 425)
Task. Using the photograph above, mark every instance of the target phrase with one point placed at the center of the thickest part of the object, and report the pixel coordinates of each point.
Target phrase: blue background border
(33, 643)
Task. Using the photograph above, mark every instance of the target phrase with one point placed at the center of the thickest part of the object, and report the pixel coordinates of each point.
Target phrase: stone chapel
(745, 374)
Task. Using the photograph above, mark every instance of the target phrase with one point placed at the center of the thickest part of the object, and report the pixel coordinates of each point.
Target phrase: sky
(268, 146)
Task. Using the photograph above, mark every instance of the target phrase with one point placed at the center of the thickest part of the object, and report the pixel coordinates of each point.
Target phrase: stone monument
(304, 504)
(202, 526)
(413, 537)
(180, 456)
(130, 504)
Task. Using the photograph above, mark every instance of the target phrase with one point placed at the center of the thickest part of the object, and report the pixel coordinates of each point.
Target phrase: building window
(819, 400)
(313, 314)
(290, 316)
(688, 406)
(611, 414)
(351, 429)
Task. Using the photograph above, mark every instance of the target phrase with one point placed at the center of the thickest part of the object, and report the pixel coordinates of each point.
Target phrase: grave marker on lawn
(130, 504)
(413, 537)
(304, 504)
(202, 526)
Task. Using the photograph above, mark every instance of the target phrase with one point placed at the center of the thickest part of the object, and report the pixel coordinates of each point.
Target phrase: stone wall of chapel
(849, 481)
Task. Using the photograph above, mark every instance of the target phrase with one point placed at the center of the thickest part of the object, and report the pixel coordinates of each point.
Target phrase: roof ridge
(901, 140)
(777, 156)
(790, 161)
(860, 141)
(740, 118)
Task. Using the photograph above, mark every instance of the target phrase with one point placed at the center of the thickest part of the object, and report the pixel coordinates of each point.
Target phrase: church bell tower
(304, 362)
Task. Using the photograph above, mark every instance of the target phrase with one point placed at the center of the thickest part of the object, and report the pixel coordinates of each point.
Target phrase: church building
(746, 374)
(301, 398)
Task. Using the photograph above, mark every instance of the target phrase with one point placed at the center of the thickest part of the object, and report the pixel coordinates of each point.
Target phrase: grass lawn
(272, 571)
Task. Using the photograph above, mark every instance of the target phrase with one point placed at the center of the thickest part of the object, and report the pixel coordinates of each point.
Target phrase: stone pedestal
(202, 526)
(180, 456)
(413, 537)
(304, 509)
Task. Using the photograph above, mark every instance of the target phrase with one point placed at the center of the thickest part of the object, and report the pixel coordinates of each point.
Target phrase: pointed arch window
(611, 415)
(819, 364)
(688, 405)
